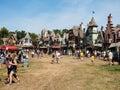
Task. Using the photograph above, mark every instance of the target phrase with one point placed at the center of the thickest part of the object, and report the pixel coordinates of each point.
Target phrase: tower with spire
(92, 31)
(109, 30)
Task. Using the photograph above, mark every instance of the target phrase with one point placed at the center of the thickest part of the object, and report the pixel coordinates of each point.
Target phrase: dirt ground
(69, 74)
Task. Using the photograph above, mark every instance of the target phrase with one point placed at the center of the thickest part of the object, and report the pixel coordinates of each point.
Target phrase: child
(81, 55)
(53, 58)
(92, 59)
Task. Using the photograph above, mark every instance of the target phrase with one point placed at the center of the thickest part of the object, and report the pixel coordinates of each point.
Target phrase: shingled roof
(92, 22)
(27, 36)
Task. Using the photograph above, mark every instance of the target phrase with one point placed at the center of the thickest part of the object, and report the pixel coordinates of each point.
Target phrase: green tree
(65, 31)
(57, 31)
(1, 42)
(49, 32)
(34, 38)
(4, 32)
(20, 34)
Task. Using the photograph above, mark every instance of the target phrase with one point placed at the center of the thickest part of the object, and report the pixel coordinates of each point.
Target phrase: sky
(35, 15)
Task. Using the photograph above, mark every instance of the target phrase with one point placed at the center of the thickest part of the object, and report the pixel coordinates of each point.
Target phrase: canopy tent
(9, 48)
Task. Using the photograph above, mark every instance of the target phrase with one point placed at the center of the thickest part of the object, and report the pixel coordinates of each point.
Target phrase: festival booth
(9, 48)
(6, 48)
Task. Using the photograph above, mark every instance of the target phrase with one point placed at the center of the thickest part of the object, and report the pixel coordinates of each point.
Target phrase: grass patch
(111, 68)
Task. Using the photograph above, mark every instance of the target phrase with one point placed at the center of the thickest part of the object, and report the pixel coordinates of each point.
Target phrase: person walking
(13, 69)
(57, 56)
(92, 59)
(110, 57)
(32, 53)
(53, 58)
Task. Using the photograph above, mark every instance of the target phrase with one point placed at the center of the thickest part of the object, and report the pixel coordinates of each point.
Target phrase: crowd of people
(108, 55)
(12, 58)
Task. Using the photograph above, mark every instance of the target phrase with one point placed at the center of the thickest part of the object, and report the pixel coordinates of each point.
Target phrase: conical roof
(92, 22)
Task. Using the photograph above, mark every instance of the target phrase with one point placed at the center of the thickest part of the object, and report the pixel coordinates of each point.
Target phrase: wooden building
(11, 40)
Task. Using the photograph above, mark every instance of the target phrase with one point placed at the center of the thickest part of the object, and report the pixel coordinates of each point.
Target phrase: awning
(43, 47)
(63, 45)
(97, 45)
(114, 45)
(55, 46)
(28, 46)
(9, 48)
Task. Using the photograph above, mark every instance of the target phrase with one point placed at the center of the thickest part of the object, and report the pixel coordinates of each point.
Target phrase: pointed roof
(15, 36)
(44, 32)
(82, 26)
(110, 15)
(53, 34)
(92, 22)
(75, 30)
(27, 36)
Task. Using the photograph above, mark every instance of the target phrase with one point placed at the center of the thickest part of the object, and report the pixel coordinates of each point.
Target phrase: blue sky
(34, 15)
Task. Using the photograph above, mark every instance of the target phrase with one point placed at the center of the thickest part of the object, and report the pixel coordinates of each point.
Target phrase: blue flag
(93, 12)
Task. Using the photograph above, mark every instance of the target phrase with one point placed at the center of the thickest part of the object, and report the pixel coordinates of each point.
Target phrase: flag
(93, 12)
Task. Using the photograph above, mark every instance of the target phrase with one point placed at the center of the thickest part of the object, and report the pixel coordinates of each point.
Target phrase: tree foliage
(34, 38)
(4, 32)
(57, 31)
(49, 32)
(20, 34)
(65, 30)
